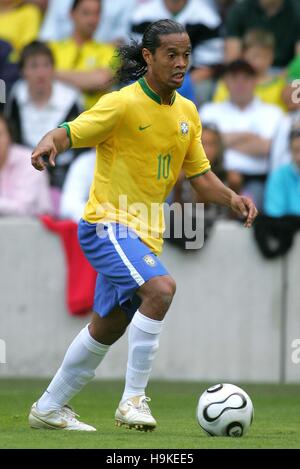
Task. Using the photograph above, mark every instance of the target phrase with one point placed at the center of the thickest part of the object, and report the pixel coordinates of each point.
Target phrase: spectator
(19, 23)
(23, 191)
(57, 22)
(39, 103)
(280, 17)
(113, 27)
(281, 146)
(223, 7)
(9, 71)
(213, 147)
(282, 195)
(291, 95)
(203, 23)
(81, 61)
(77, 186)
(258, 51)
(281, 149)
(247, 126)
(115, 24)
(201, 20)
(293, 71)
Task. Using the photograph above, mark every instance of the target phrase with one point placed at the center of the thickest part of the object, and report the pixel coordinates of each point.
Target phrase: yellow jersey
(68, 55)
(20, 25)
(142, 145)
(269, 92)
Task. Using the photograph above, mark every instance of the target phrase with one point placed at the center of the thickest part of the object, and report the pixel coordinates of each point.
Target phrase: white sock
(143, 341)
(77, 369)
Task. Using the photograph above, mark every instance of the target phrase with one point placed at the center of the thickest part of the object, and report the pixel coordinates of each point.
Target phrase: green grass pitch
(276, 418)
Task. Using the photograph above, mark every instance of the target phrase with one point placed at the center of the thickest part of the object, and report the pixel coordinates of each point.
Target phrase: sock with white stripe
(143, 342)
(78, 368)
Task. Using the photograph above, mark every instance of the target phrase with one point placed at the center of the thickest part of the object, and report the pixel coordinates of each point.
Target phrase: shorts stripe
(133, 272)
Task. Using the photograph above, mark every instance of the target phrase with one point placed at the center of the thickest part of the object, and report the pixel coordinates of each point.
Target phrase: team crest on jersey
(149, 260)
(184, 127)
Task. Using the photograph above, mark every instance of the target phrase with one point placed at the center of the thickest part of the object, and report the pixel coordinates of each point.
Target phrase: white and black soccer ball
(225, 410)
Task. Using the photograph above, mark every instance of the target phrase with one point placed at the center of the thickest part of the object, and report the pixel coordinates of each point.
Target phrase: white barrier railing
(235, 316)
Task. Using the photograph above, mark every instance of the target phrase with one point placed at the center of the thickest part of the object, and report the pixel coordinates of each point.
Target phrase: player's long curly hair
(133, 65)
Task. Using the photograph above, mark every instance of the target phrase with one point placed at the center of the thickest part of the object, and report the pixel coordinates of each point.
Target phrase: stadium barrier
(235, 316)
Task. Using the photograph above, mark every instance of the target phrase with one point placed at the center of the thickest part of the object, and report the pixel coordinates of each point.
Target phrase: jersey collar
(149, 92)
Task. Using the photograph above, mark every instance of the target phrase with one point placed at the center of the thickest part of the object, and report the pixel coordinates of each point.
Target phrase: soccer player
(144, 134)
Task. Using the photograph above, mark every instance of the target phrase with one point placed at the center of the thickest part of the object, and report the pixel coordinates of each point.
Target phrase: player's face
(86, 17)
(4, 142)
(169, 63)
(38, 71)
(295, 148)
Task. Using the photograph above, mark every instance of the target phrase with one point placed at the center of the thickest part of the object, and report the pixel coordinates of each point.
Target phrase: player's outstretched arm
(54, 142)
(211, 189)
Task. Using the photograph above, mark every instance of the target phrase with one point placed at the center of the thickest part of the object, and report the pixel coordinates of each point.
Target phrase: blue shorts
(123, 262)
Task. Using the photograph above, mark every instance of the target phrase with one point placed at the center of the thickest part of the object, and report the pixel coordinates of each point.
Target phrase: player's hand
(244, 207)
(44, 154)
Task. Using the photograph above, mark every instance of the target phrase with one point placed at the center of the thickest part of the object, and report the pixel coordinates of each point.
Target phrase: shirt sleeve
(196, 162)
(97, 124)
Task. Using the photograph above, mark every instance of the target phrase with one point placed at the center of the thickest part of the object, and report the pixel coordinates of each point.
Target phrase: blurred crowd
(57, 57)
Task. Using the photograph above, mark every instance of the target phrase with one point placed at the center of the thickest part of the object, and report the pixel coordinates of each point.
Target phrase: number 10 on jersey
(163, 170)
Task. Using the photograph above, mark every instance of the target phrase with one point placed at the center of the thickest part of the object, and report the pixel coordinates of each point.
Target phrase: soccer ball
(225, 410)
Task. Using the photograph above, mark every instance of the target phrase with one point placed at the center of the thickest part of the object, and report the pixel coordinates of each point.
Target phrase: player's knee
(167, 289)
(161, 290)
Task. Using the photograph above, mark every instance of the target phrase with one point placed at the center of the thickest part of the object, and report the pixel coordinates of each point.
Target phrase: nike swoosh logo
(144, 128)
(61, 424)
